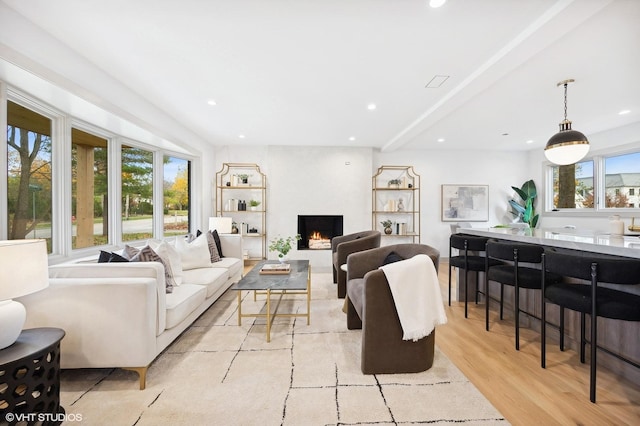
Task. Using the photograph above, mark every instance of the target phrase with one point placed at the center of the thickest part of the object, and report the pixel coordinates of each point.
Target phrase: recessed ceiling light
(505, 134)
(530, 141)
(436, 3)
(241, 136)
(624, 111)
(371, 107)
(212, 102)
(441, 140)
(352, 138)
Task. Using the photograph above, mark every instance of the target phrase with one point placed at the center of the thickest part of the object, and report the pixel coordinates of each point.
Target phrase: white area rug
(219, 373)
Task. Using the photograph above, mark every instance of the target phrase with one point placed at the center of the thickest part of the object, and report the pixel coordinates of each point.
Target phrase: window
(137, 193)
(89, 201)
(573, 186)
(28, 174)
(604, 182)
(176, 186)
(622, 173)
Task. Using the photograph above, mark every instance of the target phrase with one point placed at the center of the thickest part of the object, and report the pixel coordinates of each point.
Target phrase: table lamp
(25, 270)
(222, 224)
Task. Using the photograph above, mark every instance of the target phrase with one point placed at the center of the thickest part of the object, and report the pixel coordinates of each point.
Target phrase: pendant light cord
(565, 101)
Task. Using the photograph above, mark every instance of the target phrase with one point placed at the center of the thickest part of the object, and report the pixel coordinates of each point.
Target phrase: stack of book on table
(275, 268)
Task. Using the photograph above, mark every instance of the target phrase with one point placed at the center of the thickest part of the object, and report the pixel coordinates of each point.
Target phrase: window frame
(61, 125)
(599, 209)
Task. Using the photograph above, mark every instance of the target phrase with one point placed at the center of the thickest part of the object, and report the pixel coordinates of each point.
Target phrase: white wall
(499, 170)
(337, 181)
(310, 181)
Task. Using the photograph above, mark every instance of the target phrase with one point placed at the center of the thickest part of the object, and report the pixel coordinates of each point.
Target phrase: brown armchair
(342, 246)
(371, 307)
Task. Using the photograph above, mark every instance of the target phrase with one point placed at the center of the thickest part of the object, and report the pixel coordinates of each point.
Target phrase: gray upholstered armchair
(342, 246)
(371, 307)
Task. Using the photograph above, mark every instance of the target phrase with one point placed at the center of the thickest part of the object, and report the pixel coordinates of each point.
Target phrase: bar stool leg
(561, 329)
(543, 333)
(583, 340)
(516, 312)
(501, 299)
(449, 277)
(466, 291)
(486, 300)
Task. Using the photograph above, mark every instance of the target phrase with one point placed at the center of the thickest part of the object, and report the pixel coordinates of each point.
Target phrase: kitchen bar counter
(618, 336)
(576, 239)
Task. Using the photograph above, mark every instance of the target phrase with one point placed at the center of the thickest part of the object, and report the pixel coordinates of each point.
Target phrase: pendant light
(567, 146)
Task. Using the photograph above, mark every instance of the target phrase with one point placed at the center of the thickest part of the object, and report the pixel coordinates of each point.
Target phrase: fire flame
(316, 236)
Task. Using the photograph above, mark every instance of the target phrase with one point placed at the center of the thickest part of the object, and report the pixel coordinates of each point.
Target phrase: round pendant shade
(566, 147)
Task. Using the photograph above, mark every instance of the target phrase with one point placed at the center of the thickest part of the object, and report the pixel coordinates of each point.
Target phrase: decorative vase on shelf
(387, 230)
(616, 226)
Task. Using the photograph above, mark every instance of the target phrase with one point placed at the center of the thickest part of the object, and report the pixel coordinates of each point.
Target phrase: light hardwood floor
(515, 383)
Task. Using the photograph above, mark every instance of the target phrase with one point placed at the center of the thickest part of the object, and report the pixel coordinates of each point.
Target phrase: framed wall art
(468, 203)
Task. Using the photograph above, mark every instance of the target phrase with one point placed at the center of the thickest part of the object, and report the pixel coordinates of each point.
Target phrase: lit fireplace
(319, 242)
(317, 231)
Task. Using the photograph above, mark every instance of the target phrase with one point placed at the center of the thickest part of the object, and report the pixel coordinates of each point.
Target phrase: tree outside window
(176, 195)
(137, 194)
(28, 174)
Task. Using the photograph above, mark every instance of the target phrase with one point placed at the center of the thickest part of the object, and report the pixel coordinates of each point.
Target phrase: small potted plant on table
(283, 246)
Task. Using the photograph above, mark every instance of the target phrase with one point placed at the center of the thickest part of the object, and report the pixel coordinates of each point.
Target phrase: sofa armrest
(108, 321)
(231, 245)
(153, 270)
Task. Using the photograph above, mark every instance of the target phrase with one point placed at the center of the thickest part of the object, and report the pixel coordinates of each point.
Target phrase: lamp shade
(566, 147)
(25, 270)
(222, 224)
(25, 267)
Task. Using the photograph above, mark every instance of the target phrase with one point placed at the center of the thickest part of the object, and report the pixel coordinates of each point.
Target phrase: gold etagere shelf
(238, 187)
(396, 199)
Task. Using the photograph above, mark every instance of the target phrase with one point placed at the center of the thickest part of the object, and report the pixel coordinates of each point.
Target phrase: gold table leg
(268, 315)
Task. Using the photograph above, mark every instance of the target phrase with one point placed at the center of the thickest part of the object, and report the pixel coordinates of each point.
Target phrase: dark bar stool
(468, 262)
(513, 274)
(592, 299)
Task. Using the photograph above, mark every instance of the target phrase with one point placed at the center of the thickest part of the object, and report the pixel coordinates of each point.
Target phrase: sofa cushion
(216, 238)
(147, 254)
(211, 278)
(194, 254)
(392, 258)
(213, 247)
(106, 257)
(213, 240)
(170, 255)
(184, 300)
(231, 263)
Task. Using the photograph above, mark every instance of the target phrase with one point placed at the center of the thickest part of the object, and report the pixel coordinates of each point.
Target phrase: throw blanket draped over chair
(416, 294)
(371, 307)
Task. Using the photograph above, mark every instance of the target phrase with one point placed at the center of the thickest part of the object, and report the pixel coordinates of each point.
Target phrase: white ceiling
(302, 72)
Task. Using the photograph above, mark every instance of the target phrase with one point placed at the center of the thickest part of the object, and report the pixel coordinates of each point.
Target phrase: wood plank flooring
(515, 383)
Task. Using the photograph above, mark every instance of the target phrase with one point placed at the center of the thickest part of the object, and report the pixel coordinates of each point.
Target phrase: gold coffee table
(297, 281)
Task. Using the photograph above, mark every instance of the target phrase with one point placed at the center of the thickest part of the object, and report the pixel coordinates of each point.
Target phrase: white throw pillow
(170, 255)
(194, 254)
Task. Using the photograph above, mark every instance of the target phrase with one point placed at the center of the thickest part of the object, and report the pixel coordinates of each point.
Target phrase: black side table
(30, 378)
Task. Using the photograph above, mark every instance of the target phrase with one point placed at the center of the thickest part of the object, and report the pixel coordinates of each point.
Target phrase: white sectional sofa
(120, 315)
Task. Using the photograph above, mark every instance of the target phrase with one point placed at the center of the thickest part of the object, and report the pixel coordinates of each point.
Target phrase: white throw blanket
(416, 293)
